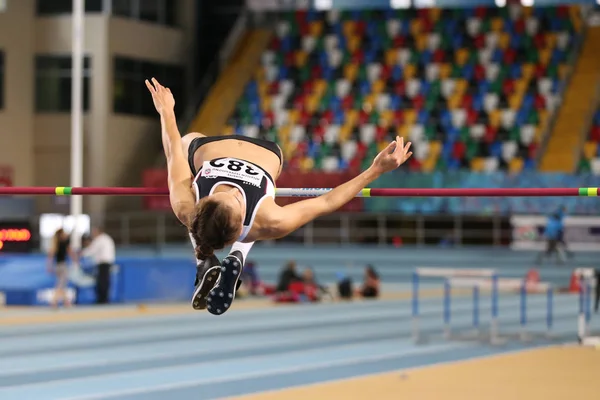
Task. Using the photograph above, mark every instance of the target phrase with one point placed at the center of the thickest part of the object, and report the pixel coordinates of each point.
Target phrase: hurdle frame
(445, 273)
(587, 284)
(478, 280)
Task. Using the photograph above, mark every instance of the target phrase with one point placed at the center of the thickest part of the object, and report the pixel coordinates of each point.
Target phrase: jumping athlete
(229, 197)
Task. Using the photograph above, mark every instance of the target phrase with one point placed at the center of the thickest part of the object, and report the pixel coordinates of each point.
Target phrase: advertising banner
(15, 237)
(581, 233)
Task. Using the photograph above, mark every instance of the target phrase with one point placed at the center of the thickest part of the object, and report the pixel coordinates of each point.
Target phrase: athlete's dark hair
(212, 227)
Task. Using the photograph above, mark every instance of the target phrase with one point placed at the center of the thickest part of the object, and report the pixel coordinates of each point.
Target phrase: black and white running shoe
(223, 293)
(207, 276)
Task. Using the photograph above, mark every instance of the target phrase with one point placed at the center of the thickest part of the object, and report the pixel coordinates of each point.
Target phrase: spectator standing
(552, 234)
(102, 251)
(58, 253)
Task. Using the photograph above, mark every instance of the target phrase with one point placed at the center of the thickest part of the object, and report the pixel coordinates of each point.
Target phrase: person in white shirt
(102, 251)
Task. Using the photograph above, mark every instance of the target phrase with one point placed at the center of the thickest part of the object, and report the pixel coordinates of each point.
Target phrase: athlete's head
(217, 222)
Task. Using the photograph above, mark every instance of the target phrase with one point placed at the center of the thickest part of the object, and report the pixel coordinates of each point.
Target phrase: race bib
(232, 168)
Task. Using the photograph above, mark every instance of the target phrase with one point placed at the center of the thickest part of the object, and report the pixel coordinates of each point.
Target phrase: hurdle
(520, 285)
(432, 272)
(587, 284)
(478, 280)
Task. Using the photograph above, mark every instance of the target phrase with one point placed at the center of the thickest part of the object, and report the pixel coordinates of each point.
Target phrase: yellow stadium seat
(445, 70)
(263, 88)
(301, 58)
(378, 86)
(307, 164)
(521, 86)
(320, 86)
(434, 14)
(351, 118)
(515, 100)
(461, 56)
(410, 70)
(289, 148)
(348, 28)
(429, 164)
(563, 71)
(410, 116)
(494, 117)
(477, 164)
(265, 103)
(515, 165)
(504, 41)
(284, 132)
(421, 42)
(350, 71)
(354, 43)
(551, 39)
(345, 132)
(416, 27)
(312, 103)
(454, 101)
(382, 145)
(527, 11)
(369, 102)
(316, 28)
(545, 55)
(435, 147)
(387, 117)
(461, 86)
(404, 130)
(293, 116)
(391, 57)
(497, 24)
(590, 150)
(527, 71)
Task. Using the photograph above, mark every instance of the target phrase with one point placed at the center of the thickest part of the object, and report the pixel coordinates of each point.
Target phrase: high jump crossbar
(312, 192)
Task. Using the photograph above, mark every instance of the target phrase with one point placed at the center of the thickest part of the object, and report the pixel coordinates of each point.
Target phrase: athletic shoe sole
(209, 280)
(222, 295)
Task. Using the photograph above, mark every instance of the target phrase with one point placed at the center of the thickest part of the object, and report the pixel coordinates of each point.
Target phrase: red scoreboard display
(15, 237)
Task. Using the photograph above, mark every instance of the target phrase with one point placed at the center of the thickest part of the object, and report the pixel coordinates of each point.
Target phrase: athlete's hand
(394, 155)
(161, 96)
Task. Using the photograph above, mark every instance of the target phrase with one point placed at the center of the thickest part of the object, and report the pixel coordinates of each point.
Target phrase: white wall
(52, 131)
(16, 122)
(113, 142)
(37, 146)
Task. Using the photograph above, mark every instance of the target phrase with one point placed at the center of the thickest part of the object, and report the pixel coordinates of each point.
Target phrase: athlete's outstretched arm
(180, 178)
(289, 218)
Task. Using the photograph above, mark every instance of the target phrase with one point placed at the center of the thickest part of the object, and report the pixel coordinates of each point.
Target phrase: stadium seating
(590, 160)
(471, 88)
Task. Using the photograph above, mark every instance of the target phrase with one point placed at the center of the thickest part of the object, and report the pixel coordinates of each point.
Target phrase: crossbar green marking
(588, 192)
(63, 191)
